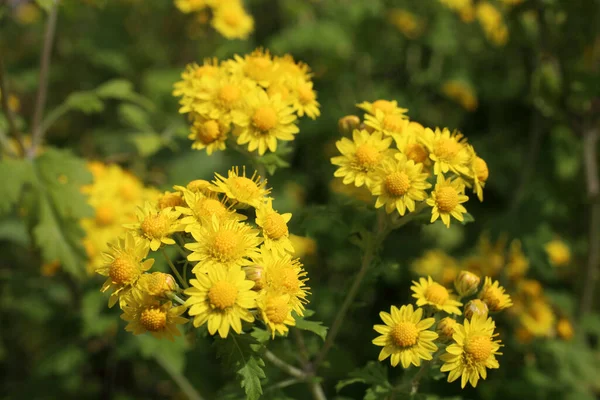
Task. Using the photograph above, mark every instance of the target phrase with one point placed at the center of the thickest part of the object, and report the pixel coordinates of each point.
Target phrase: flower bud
(348, 124)
(476, 307)
(158, 284)
(445, 328)
(256, 273)
(466, 283)
(198, 185)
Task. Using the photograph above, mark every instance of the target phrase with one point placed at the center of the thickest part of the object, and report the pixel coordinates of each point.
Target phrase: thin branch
(283, 384)
(590, 157)
(40, 103)
(181, 381)
(317, 391)
(12, 126)
(285, 367)
(417, 379)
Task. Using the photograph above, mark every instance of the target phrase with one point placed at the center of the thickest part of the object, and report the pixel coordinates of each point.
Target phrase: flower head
(428, 292)
(276, 312)
(146, 313)
(232, 21)
(156, 226)
(446, 200)
(388, 124)
(209, 134)
(558, 252)
(242, 190)
(274, 228)
(448, 150)
(493, 295)
(385, 106)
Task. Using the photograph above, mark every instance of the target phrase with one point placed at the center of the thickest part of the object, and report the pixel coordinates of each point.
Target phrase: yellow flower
(447, 199)
(492, 23)
(394, 125)
(240, 189)
(428, 292)
(398, 184)
(457, 5)
(155, 226)
(274, 228)
(565, 330)
(227, 244)
(123, 265)
(146, 314)
(170, 199)
(406, 22)
(232, 21)
(222, 298)
(479, 173)
(448, 151)
(405, 336)
(222, 95)
(192, 82)
(387, 107)
(466, 283)
(305, 101)
(289, 69)
(538, 318)
(360, 157)
(517, 264)
(265, 121)
(157, 284)
(476, 307)
(257, 66)
(461, 93)
(558, 252)
(200, 208)
(493, 295)
(442, 267)
(474, 349)
(276, 312)
(303, 246)
(209, 134)
(188, 6)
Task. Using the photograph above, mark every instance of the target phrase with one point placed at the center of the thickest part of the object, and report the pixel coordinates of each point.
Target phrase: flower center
(437, 294)
(154, 319)
(265, 118)
(222, 295)
(397, 183)
(208, 207)
(155, 226)
(208, 132)
(231, 16)
(416, 152)
(123, 270)
(446, 149)
(479, 348)
(446, 198)
(275, 226)
(105, 215)
(393, 123)
(383, 105)
(245, 186)
(170, 200)
(288, 280)
(229, 94)
(305, 94)
(481, 170)
(198, 185)
(367, 155)
(277, 309)
(225, 244)
(405, 334)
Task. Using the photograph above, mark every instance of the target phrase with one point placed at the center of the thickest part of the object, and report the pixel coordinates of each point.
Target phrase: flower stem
(417, 379)
(284, 366)
(174, 269)
(180, 379)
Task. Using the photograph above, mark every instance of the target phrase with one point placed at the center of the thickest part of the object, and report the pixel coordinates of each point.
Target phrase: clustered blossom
(253, 101)
(229, 17)
(432, 329)
(490, 17)
(407, 166)
(238, 251)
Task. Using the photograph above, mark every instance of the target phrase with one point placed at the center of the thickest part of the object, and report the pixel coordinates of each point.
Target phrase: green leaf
(45, 4)
(373, 374)
(95, 318)
(86, 102)
(14, 175)
(122, 89)
(468, 218)
(252, 372)
(171, 353)
(135, 116)
(315, 327)
(147, 143)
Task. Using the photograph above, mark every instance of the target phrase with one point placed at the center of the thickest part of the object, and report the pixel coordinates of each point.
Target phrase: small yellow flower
(265, 121)
(447, 199)
(258, 66)
(474, 349)
(411, 25)
(157, 284)
(538, 318)
(480, 174)
(209, 134)
(441, 266)
(428, 292)
(274, 228)
(303, 246)
(493, 295)
(447, 150)
(155, 226)
(200, 208)
(564, 329)
(386, 106)
(305, 101)
(445, 328)
(394, 125)
(492, 23)
(558, 252)
(276, 312)
(223, 243)
(146, 314)
(405, 336)
(461, 93)
(232, 21)
(188, 6)
(222, 298)
(221, 96)
(360, 157)
(170, 199)
(240, 189)
(466, 283)
(398, 184)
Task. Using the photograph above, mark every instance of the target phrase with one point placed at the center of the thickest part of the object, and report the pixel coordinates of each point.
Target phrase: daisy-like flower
(193, 81)
(209, 134)
(538, 318)
(290, 69)
(428, 292)
(472, 351)
(157, 284)
(386, 106)
(188, 6)
(446, 200)
(199, 186)
(145, 313)
(223, 243)
(258, 66)
(447, 150)
(360, 157)
(405, 337)
(305, 101)
(480, 174)
(493, 295)
(170, 200)
(244, 191)
(222, 298)
(398, 184)
(558, 252)
(223, 95)
(155, 226)
(394, 125)
(274, 228)
(461, 93)
(200, 207)
(123, 265)
(265, 121)
(232, 21)
(276, 312)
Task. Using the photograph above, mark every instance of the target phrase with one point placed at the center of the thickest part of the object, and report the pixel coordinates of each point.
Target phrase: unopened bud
(256, 273)
(158, 284)
(476, 307)
(445, 328)
(348, 124)
(466, 283)
(198, 185)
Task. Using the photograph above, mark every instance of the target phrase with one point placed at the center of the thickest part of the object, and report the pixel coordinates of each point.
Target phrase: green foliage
(315, 327)
(14, 175)
(374, 374)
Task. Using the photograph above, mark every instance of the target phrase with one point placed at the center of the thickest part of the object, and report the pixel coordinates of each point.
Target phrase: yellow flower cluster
(114, 195)
(238, 249)
(425, 167)
(466, 348)
(256, 98)
(461, 93)
(229, 17)
(489, 17)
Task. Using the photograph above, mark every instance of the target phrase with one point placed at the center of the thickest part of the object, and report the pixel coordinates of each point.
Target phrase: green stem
(178, 299)
(180, 379)
(282, 384)
(284, 366)
(174, 269)
(417, 379)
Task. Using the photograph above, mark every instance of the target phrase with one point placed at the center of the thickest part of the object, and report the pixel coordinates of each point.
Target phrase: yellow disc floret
(397, 183)
(479, 348)
(225, 244)
(275, 226)
(222, 295)
(447, 198)
(265, 118)
(277, 309)
(404, 334)
(436, 293)
(123, 270)
(367, 156)
(153, 319)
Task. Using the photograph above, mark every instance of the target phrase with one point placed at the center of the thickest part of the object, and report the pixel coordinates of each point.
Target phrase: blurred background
(518, 77)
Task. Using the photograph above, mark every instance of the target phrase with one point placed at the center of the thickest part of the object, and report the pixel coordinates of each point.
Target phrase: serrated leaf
(315, 327)
(14, 175)
(86, 102)
(239, 352)
(251, 373)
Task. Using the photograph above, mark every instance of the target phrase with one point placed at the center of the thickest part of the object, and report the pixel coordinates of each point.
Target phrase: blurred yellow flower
(564, 329)
(558, 252)
(494, 296)
(461, 93)
(232, 21)
(411, 25)
(437, 264)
